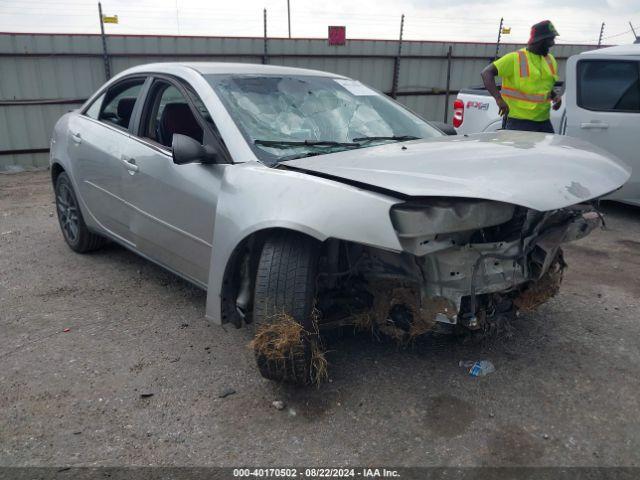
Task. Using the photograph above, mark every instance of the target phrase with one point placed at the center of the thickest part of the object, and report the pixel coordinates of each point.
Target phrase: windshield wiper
(304, 143)
(398, 138)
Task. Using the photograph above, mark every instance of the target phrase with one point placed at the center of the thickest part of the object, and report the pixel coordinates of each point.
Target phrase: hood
(534, 170)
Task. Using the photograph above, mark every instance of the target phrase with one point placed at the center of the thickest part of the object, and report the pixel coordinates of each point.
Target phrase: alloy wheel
(67, 213)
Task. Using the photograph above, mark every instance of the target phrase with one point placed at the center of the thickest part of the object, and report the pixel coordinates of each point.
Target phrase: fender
(254, 197)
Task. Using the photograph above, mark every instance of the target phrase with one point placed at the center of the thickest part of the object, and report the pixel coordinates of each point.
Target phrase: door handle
(76, 138)
(589, 125)
(130, 164)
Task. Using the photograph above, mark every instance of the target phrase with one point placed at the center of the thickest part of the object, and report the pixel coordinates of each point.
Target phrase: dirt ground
(565, 391)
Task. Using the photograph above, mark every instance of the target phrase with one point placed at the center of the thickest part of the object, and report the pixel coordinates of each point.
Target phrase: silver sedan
(304, 200)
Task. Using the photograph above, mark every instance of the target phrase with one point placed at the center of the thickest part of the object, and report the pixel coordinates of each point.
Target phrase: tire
(285, 290)
(75, 232)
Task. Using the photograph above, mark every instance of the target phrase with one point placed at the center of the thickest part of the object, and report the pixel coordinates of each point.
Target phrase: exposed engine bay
(467, 269)
(467, 264)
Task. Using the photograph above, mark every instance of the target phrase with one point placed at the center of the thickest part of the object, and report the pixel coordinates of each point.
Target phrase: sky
(577, 21)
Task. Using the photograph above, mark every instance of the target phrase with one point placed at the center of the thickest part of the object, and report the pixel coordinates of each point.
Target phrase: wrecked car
(301, 200)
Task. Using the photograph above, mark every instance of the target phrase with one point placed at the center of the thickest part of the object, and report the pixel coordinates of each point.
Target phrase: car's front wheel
(286, 342)
(74, 230)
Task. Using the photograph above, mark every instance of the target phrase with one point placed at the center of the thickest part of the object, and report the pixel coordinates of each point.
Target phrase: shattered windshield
(284, 117)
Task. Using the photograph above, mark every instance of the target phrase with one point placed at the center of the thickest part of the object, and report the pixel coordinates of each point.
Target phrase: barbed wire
(152, 8)
(146, 8)
(617, 34)
(416, 26)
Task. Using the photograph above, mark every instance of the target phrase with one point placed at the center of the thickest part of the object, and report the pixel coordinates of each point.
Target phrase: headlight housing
(424, 226)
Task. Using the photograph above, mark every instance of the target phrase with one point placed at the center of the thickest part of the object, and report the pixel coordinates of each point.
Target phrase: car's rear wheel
(74, 230)
(285, 345)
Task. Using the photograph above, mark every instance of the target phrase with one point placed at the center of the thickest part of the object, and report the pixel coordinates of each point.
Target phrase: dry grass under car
(542, 290)
(283, 343)
(377, 319)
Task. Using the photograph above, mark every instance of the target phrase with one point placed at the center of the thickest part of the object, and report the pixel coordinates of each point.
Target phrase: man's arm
(489, 78)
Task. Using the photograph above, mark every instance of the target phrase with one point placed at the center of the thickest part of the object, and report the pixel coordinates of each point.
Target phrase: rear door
(603, 107)
(98, 136)
(173, 206)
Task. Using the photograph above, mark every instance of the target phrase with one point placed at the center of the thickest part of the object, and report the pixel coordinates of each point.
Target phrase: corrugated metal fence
(42, 76)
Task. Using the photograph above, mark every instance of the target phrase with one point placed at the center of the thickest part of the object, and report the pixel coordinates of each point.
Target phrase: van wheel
(286, 342)
(74, 230)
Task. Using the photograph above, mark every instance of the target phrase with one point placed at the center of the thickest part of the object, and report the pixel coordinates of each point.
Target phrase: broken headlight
(424, 226)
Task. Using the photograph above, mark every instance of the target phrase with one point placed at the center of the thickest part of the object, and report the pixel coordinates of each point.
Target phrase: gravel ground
(137, 377)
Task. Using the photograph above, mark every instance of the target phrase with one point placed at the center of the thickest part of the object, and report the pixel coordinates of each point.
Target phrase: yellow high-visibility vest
(527, 81)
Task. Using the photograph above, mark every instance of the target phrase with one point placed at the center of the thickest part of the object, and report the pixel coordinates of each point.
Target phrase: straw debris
(364, 322)
(286, 352)
(377, 319)
(537, 293)
(319, 368)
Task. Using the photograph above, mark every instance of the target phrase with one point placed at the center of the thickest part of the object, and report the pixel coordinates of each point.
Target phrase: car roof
(621, 50)
(205, 68)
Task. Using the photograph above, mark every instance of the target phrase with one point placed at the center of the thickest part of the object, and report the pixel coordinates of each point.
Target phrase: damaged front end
(467, 264)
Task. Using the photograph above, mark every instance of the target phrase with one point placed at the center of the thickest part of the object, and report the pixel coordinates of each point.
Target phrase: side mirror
(187, 150)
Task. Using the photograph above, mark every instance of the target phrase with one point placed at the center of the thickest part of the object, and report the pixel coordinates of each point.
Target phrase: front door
(173, 206)
(605, 111)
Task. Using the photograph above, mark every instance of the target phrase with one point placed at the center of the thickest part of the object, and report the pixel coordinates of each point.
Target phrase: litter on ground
(478, 368)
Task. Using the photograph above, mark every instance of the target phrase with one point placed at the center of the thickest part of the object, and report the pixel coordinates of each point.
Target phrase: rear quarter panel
(61, 153)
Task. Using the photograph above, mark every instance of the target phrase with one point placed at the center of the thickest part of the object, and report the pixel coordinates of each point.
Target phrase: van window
(609, 85)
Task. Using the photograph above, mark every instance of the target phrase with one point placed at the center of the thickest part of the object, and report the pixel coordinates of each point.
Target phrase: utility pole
(105, 54)
(265, 58)
(499, 36)
(396, 64)
(601, 32)
(634, 32)
(289, 17)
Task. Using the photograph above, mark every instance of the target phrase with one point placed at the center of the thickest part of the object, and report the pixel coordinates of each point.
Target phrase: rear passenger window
(117, 107)
(609, 85)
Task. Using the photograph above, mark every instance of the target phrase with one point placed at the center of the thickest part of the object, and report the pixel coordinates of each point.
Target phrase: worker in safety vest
(528, 77)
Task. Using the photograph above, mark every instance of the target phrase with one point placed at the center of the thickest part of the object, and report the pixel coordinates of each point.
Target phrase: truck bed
(480, 111)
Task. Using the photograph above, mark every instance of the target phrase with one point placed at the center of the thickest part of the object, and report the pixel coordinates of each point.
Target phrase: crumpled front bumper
(481, 268)
(476, 279)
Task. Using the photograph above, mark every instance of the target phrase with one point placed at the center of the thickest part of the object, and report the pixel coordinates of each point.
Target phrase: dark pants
(528, 125)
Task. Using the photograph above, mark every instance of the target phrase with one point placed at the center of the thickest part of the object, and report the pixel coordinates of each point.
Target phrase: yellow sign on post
(112, 19)
(505, 30)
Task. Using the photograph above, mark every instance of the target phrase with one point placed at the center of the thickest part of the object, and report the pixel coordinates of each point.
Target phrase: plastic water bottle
(482, 368)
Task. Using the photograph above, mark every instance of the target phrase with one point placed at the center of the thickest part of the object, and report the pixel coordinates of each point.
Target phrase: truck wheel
(285, 345)
(74, 230)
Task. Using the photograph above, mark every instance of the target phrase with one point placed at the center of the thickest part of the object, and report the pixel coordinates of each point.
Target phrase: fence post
(495, 57)
(601, 32)
(289, 17)
(446, 98)
(265, 55)
(105, 54)
(396, 64)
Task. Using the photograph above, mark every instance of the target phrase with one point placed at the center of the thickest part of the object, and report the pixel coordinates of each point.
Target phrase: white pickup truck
(601, 104)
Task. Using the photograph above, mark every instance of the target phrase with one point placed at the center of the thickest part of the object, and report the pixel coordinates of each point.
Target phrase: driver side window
(168, 113)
